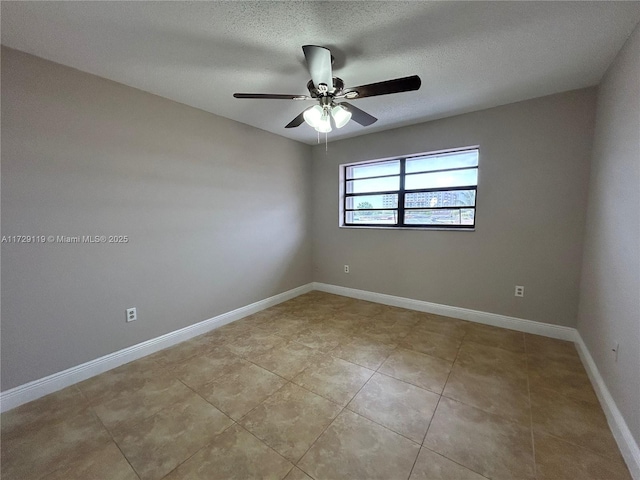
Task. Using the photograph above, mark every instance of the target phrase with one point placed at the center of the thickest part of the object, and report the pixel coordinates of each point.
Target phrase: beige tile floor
(325, 387)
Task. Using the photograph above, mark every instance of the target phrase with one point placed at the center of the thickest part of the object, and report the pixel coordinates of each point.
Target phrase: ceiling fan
(326, 89)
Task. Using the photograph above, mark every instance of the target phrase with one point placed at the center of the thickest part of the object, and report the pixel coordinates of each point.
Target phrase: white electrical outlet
(132, 314)
(346, 269)
(519, 291)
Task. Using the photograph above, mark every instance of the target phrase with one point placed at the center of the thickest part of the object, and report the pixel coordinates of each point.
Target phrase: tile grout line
(371, 420)
(287, 381)
(331, 423)
(437, 405)
(407, 382)
(199, 395)
(472, 406)
(572, 399)
(397, 346)
(233, 422)
(533, 441)
(152, 414)
(114, 442)
(168, 406)
(196, 452)
(504, 376)
(326, 354)
(457, 463)
(380, 425)
(164, 408)
(293, 465)
(380, 373)
(262, 402)
(97, 418)
(220, 376)
(341, 410)
(582, 447)
(299, 373)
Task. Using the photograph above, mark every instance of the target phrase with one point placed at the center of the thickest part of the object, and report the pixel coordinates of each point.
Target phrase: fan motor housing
(338, 86)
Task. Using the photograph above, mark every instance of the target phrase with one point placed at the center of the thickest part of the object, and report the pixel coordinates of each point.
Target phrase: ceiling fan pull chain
(326, 147)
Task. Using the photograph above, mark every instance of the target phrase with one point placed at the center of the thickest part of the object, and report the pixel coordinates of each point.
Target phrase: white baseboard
(494, 319)
(627, 444)
(38, 388)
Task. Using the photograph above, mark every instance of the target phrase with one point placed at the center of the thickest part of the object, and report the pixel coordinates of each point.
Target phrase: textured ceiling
(470, 55)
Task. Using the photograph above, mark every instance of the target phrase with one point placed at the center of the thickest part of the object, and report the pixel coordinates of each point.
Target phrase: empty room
(320, 240)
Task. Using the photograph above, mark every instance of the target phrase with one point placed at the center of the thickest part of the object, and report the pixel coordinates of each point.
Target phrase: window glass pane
(373, 185)
(382, 217)
(445, 198)
(454, 216)
(443, 161)
(467, 216)
(456, 178)
(366, 202)
(391, 167)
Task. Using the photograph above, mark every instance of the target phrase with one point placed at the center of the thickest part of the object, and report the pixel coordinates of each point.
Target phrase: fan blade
(405, 84)
(272, 96)
(296, 122)
(319, 64)
(359, 116)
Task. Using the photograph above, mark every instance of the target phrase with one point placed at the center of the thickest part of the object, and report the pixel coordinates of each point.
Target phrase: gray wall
(216, 212)
(532, 193)
(610, 290)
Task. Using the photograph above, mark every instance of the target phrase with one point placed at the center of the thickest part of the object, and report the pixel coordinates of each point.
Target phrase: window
(431, 190)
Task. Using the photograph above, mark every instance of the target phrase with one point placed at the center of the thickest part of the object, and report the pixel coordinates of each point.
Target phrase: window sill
(440, 229)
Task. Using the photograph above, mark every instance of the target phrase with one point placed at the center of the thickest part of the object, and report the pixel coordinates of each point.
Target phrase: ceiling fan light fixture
(341, 116)
(325, 123)
(313, 116)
